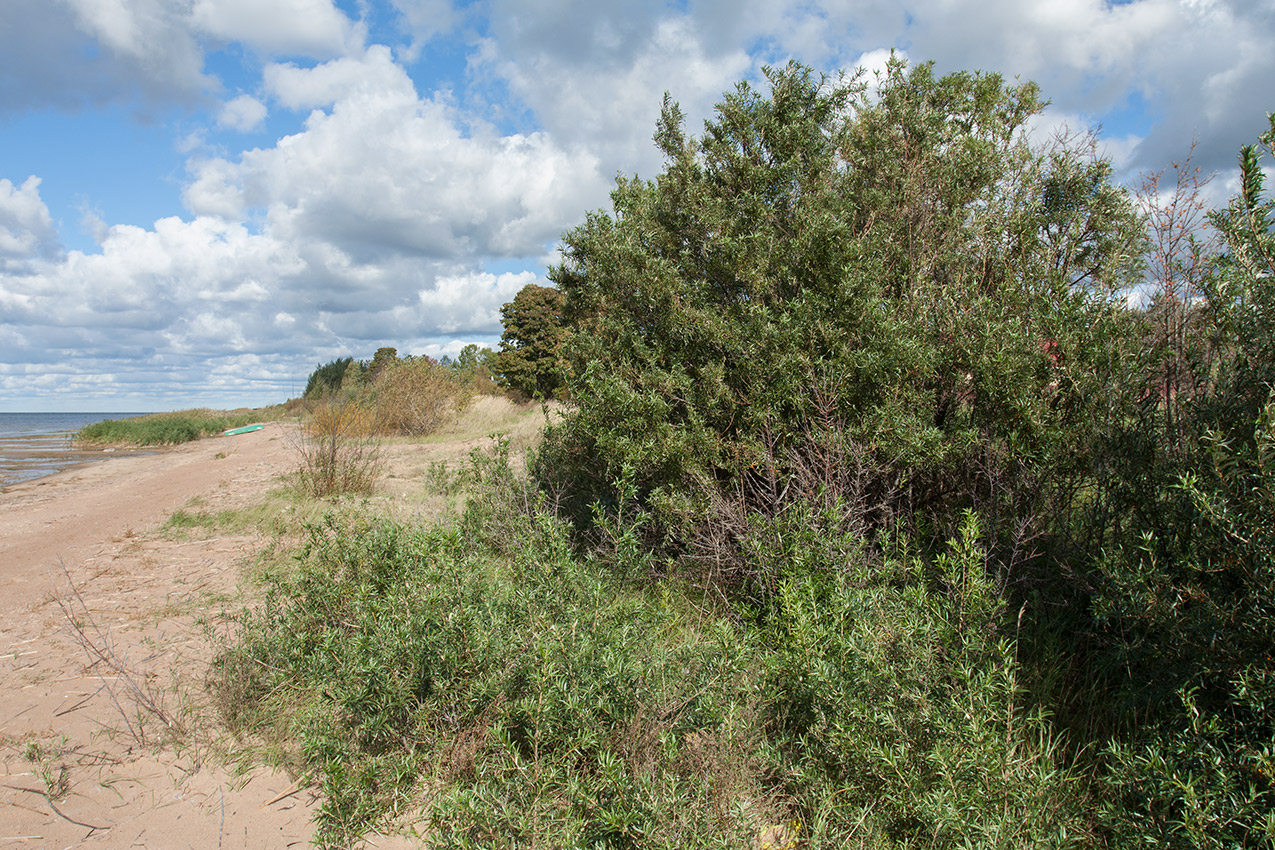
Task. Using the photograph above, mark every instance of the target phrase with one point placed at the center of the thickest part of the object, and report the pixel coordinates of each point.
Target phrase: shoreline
(16, 463)
(36, 445)
(100, 611)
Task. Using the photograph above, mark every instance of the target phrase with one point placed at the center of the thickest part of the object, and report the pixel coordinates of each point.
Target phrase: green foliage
(167, 429)
(472, 367)
(326, 379)
(530, 358)
(384, 357)
(1180, 670)
(539, 701)
(1195, 634)
(540, 696)
(1241, 295)
(902, 272)
(898, 695)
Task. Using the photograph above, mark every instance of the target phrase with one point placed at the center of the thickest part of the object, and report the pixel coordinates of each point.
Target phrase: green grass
(279, 514)
(167, 429)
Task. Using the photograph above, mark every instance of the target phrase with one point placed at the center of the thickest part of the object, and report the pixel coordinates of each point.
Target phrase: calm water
(36, 444)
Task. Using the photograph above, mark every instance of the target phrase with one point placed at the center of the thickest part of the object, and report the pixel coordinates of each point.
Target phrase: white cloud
(147, 53)
(244, 113)
(71, 53)
(424, 20)
(314, 28)
(472, 301)
(596, 77)
(26, 228)
(149, 35)
(384, 172)
(214, 190)
(372, 76)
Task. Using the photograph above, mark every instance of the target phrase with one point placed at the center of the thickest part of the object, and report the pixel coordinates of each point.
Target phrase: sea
(33, 445)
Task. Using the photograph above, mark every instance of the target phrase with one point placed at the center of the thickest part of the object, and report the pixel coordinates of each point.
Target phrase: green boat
(244, 430)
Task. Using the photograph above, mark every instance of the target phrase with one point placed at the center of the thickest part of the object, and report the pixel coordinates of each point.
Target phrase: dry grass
(486, 415)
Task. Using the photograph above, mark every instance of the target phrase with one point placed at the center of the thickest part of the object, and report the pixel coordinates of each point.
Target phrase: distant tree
(530, 357)
(384, 357)
(471, 359)
(472, 367)
(327, 377)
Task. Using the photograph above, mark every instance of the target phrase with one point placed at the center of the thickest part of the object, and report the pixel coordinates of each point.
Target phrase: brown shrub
(339, 452)
(415, 397)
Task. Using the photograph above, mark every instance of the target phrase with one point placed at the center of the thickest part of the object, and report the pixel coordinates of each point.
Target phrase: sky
(202, 200)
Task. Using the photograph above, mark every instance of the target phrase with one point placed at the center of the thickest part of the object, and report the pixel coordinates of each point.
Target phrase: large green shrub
(534, 701)
(894, 271)
(898, 695)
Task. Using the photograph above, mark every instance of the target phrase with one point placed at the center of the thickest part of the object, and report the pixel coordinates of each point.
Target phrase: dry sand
(143, 609)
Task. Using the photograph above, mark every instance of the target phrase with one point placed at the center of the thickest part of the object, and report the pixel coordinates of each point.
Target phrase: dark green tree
(384, 356)
(327, 377)
(530, 357)
(832, 279)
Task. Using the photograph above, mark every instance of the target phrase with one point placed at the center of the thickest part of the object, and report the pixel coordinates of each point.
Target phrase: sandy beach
(106, 627)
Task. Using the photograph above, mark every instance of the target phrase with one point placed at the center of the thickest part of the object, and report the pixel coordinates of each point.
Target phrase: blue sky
(200, 200)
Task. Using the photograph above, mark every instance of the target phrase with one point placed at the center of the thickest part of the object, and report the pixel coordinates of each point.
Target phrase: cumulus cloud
(314, 28)
(373, 76)
(72, 53)
(471, 302)
(27, 231)
(424, 20)
(382, 172)
(595, 75)
(244, 113)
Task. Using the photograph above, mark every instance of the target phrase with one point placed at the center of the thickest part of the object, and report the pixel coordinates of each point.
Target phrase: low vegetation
(879, 517)
(168, 429)
(338, 449)
(402, 396)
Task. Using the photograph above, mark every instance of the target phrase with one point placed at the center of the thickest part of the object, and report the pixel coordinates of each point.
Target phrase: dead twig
(301, 782)
(59, 813)
(99, 647)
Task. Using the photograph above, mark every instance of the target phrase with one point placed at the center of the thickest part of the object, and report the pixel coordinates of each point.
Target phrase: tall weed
(339, 453)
